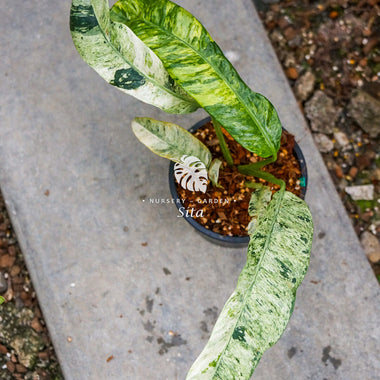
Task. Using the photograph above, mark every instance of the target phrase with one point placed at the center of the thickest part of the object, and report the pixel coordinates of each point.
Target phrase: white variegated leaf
(256, 314)
(191, 174)
(213, 172)
(122, 59)
(169, 140)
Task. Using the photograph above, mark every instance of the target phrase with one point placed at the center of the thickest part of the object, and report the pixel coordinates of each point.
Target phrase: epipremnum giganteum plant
(162, 55)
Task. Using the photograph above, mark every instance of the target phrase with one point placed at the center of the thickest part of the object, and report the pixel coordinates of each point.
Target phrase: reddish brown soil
(225, 210)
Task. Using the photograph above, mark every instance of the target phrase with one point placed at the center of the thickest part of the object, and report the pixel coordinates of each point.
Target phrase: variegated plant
(162, 55)
(256, 314)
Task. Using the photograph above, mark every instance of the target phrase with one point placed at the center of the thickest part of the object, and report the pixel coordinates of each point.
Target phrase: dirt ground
(329, 51)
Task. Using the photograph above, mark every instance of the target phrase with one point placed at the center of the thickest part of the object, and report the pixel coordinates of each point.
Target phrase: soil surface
(331, 55)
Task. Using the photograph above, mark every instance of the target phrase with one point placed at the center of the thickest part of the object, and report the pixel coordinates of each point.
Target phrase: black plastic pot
(227, 241)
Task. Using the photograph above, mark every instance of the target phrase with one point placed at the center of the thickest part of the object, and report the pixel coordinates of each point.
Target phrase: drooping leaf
(169, 140)
(2, 300)
(213, 172)
(191, 174)
(197, 64)
(258, 311)
(122, 59)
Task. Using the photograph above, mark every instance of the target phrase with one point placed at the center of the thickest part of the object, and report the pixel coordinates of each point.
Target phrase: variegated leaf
(170, 140)
(258, 204)
(122, 59)
(191, 174)
(213, 172)
(256, 314)
(197, 63)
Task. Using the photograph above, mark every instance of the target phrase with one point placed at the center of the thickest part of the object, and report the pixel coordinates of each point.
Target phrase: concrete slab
(105, 294)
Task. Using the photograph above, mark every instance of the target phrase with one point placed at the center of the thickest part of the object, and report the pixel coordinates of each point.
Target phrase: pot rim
(233, 241)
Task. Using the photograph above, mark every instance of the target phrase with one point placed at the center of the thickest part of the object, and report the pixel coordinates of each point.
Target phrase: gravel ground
(330, 53)
(26, 351)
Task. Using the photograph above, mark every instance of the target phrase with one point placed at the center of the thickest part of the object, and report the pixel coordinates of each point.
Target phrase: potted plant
(161, 54)
(221, 214)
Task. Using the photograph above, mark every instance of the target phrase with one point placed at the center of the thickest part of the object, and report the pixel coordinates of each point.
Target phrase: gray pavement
(103, 291)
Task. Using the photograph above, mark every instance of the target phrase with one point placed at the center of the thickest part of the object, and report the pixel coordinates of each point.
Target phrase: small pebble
(15, 270)
(3, 283)
(11, 366)
(323, 143)
(363, 192)
(304, 86)
(291, 73)
(371, 246)
(353, 172)
(339, 171)
(21, 369)
(3, 350)
(6, 261)
(341, 138)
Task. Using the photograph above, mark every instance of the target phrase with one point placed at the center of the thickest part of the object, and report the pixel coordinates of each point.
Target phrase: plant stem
(257, 165)
(264, 175)
(222, 142)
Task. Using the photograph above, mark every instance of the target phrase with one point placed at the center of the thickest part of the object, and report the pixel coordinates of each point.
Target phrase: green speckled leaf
(256, 314)
(122, 59)
(170, 140)
(258, 204)
(198, 65)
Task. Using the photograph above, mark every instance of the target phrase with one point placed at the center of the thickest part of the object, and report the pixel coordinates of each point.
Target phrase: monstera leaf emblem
(191, 174)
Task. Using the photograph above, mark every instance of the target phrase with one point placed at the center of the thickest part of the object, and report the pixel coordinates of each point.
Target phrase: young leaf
(198, 65)
(258, 311)
(191, 174)
(213, 172)
(122, 59)
(169, 140)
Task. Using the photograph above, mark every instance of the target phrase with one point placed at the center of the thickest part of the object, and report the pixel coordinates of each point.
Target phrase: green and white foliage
(259, 202)
(256, 314)
(198, 65)
(169, 140)
(122, 59)
(191, 174)
(213, 172)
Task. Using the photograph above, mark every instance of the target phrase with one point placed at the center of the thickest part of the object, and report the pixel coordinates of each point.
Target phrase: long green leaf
(197, 63)
(170, 140)
(258, 311)
(122, 59)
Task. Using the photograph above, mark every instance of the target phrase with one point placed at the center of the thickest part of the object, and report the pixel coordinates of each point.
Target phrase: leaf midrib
(223, 78)
(245, 300)
(149, 79)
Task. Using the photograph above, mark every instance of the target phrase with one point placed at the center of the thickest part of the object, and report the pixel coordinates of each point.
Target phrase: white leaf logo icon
(191, 174)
